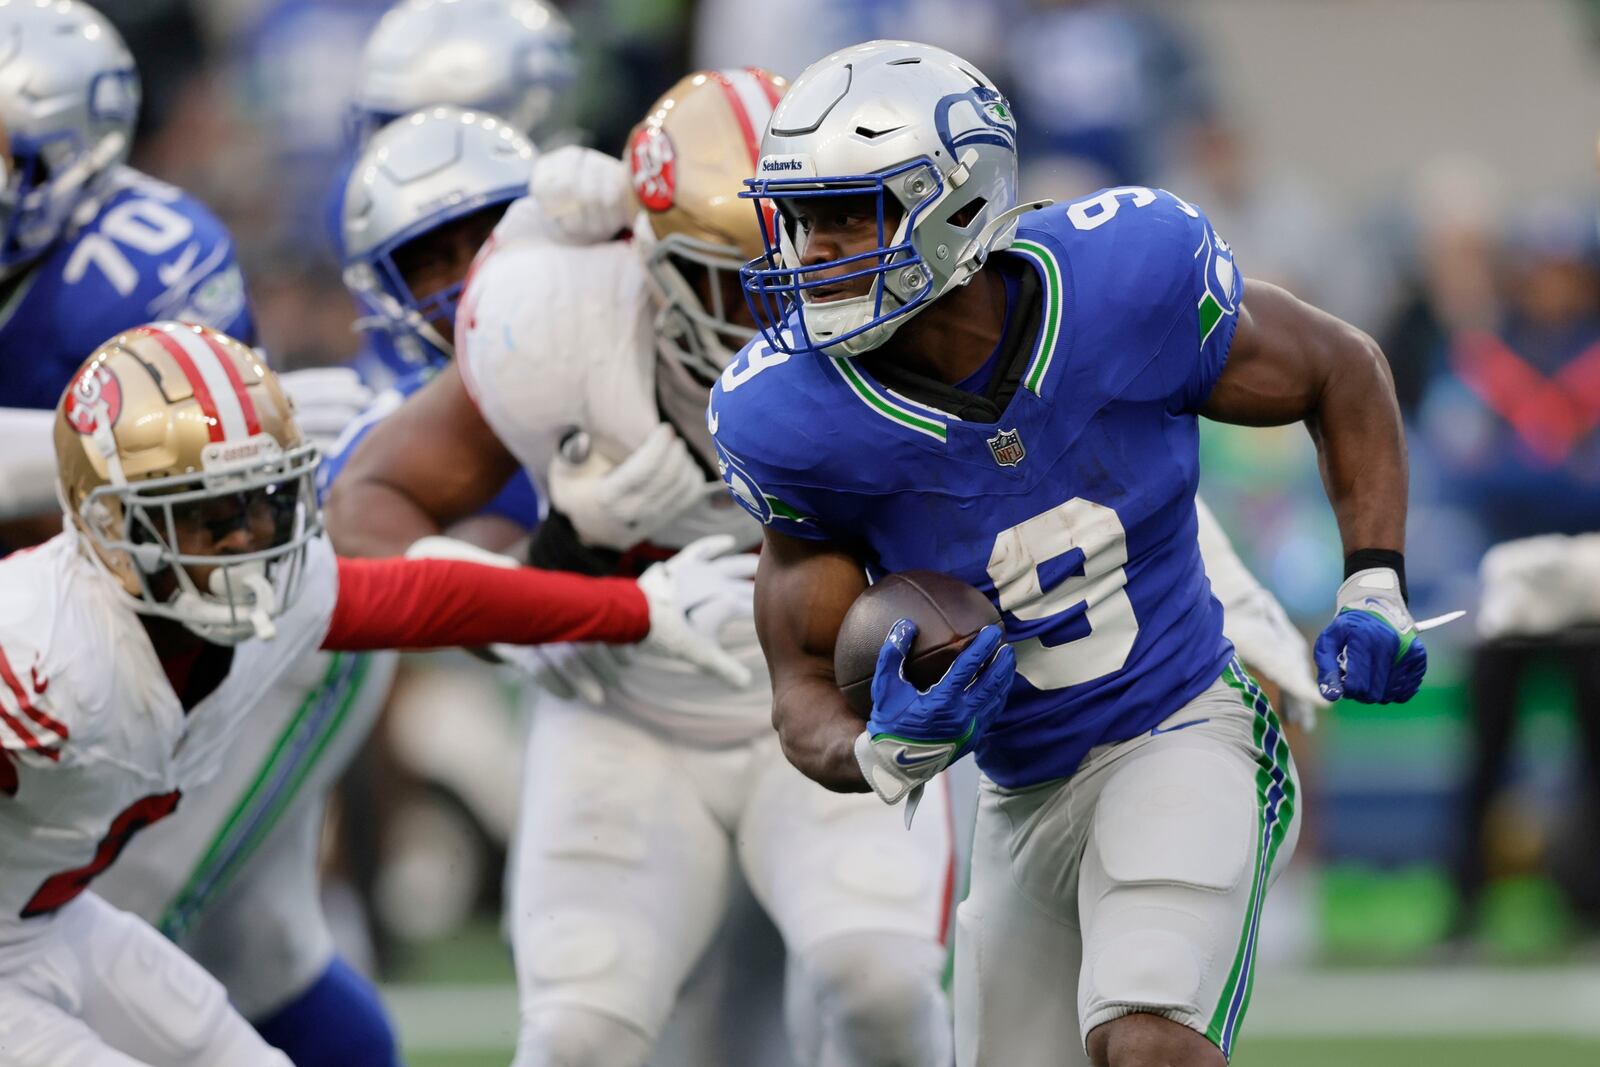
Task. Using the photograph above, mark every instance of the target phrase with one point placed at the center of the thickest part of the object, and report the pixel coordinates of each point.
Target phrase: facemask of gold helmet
(182, 469)
(688, 161)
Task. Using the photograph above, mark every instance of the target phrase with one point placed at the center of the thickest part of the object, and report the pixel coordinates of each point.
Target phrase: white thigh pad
(145, 983)
(1177, 814)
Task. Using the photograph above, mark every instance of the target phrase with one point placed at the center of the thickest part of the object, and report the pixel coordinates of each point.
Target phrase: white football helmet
(511, 58)
(887, 119)
(69, 98)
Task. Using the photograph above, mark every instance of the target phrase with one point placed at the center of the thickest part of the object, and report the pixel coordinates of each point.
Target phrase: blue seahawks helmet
(69, 99)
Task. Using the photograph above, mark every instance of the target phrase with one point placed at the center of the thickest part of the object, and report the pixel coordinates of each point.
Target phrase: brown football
(948, 614)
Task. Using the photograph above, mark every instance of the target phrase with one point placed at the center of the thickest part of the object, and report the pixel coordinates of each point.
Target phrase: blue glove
(1370, 652)
(912, 734)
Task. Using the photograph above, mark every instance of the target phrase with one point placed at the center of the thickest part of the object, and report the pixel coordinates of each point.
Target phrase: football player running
(1009, 394)
(191, 573)
(590, 365)
(234, 880)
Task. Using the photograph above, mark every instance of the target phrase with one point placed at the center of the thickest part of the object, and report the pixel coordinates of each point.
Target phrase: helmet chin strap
(217, 618)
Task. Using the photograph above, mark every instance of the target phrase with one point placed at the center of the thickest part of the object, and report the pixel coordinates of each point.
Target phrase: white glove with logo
(618, 505)
(326, 400)
(684, 592)
(583, 194)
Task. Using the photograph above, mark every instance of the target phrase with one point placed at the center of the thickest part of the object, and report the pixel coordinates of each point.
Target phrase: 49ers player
(591, 366)
(191, 572)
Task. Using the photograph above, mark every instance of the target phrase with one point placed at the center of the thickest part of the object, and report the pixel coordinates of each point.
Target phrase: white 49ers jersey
(94, 743)
(555, 338)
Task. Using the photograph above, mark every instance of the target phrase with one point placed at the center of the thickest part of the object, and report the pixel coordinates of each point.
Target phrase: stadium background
(1424, 168)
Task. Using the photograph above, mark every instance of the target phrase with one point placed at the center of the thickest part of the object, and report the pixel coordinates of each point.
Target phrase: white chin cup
(835, 317)
(222, 620)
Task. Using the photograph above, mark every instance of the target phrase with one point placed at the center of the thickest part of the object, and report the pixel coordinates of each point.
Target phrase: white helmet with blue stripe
(69, 98)
(888, 119)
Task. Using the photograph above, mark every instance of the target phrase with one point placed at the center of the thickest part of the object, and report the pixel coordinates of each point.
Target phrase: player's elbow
(815, 739)
(1357, 364)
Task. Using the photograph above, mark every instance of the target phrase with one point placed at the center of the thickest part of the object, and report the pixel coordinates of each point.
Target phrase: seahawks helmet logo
(978, 116)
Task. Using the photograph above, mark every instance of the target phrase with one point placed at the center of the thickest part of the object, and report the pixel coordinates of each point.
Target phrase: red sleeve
(441, 603)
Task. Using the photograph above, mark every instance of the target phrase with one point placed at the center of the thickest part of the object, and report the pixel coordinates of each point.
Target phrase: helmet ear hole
(968, 214)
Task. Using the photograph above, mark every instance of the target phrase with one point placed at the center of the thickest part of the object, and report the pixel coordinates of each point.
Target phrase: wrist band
(1366, 559)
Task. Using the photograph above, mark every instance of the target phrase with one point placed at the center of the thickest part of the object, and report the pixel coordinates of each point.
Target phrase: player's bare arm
(1292, 362)
(433, 462)
(803, 589)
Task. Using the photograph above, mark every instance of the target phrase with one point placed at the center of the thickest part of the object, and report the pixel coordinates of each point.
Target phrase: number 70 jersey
(1073, 511)
(149, 251)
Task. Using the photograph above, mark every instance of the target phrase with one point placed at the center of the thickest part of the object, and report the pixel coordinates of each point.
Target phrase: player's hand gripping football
(687, 595)
(618, 505)
(914, 734)
(1370, 652)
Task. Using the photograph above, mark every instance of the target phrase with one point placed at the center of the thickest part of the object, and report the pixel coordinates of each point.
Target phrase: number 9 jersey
(147, 251)
(1065, 490)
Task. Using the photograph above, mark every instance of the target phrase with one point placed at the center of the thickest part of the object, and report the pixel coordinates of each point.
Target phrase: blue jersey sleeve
(765, 449)
(1154, 287)
(1217, 289)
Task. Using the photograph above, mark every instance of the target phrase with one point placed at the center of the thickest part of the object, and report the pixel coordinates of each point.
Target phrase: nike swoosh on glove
(914, 734)
(1370, 652)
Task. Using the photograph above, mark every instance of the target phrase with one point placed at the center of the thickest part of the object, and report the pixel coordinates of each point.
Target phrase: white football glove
(325, 399)
(569, 671)
(583, 193)
(618, 505)
(682, 592)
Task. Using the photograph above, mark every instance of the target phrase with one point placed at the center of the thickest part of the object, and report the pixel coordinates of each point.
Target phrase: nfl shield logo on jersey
(1007, 448)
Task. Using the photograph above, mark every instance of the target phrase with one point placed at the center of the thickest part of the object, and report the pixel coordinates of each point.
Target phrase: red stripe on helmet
(765, 81)
(252, 424)
(752, 141)
(202, 395)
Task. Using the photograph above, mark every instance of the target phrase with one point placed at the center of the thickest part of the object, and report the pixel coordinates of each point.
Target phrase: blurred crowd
(1487, 306)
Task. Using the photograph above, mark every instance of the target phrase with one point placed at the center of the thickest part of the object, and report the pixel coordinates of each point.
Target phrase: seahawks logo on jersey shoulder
(1221, 297)
(748, 492)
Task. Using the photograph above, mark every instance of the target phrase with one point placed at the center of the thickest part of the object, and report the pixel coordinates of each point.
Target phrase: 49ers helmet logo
(651, 158)
(95, 387)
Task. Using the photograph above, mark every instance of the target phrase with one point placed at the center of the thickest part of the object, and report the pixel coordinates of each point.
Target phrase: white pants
(232, 875)
(1136, 885)
(92, 986)
(626, 849)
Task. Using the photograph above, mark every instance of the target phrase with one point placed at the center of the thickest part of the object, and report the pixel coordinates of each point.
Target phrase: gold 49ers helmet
(688, 160)
(172, 437)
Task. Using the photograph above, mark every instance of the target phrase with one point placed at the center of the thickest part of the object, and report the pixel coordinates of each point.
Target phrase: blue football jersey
(517, 501)
(150, 251)
(1070, 502)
